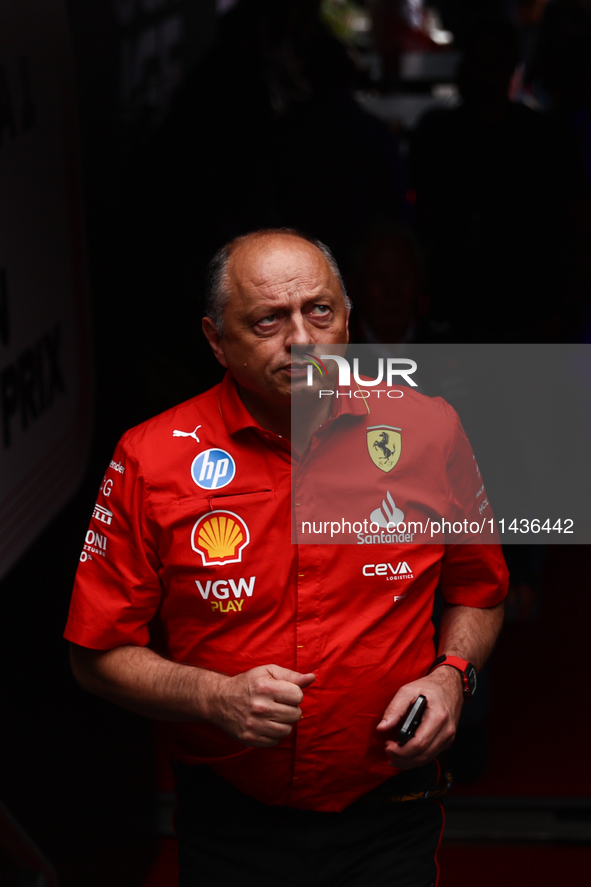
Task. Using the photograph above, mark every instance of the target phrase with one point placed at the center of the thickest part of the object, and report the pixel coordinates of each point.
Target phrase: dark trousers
(226, 837)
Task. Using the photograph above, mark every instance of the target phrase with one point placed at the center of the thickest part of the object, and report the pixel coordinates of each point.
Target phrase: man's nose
(297, 332)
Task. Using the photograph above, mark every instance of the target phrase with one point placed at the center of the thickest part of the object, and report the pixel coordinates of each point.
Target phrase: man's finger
(294, 677)
(287, 693)
(304, 680)
(396, 710)
(283, 713)
(414, 754)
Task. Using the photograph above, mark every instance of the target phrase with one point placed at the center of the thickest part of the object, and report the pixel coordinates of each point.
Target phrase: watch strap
(466, 669)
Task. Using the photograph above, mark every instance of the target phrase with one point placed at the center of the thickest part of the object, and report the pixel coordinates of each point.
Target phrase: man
(287, 673)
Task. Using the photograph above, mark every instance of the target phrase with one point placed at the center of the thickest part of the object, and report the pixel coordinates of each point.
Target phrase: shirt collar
(236, 417)
(343, 405)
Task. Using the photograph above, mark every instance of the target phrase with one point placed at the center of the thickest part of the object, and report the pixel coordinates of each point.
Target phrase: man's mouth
(296, 370)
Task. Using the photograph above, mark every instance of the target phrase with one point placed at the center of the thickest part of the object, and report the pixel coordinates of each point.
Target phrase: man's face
(283, 293)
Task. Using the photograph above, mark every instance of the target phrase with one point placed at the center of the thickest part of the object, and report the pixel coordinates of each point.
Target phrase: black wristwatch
(466, 669)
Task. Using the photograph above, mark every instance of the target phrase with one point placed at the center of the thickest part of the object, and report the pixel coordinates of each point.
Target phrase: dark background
(248, 146)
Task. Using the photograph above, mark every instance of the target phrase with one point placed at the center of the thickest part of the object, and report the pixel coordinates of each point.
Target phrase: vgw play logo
(388, 368)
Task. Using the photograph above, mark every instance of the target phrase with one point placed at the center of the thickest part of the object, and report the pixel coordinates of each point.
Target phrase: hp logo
(213, 469)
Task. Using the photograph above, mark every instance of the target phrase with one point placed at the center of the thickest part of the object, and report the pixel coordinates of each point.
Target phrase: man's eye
(320, 310)
(266, 321)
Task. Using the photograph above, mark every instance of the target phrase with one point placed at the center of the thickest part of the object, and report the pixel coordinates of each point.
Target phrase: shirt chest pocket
(211, 534)
(240, 527)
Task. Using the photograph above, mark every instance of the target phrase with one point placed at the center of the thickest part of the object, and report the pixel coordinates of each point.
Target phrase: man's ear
(215, 340)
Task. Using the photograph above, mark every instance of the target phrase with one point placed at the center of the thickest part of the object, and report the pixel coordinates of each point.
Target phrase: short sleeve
(470, 514)
(473, 570)
(474, 575)
(117, 588)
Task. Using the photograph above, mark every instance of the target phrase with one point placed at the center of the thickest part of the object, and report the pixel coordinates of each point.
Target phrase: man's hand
(467, 632)
(258, 707)
(436, 732)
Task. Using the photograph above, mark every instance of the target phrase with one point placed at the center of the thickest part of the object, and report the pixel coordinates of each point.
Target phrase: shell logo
(219, 537)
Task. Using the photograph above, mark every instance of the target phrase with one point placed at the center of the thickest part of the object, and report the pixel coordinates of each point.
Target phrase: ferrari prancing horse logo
(384, 445)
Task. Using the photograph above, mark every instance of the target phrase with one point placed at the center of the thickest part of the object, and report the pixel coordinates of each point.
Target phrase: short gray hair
(217, 292)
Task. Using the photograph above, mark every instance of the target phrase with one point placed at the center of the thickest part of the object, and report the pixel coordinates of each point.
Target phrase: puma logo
(176, 433)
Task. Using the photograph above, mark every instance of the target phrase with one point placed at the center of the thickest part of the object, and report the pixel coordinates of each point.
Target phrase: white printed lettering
(220, 589)
(243, 587)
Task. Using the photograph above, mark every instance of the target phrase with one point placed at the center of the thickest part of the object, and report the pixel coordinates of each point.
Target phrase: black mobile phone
(412, 720)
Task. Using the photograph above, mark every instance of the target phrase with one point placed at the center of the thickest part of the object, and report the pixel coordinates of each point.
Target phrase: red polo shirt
(189, 550)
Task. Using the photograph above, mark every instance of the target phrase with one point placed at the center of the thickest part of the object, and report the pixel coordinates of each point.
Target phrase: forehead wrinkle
(294, 287)
(299, 286)
(273, 288)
